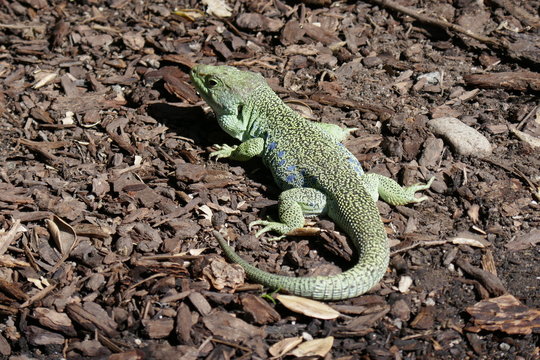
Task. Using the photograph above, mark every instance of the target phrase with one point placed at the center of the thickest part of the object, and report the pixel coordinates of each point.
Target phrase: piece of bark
(523, 242)
(504, 313)
(12, 289)
(360, 324)
(518, 12)
(200, 303)
(136, 354)
(59, 33)
(38, 336)
(258, 22)
(259, 309)
(55, 321)
(231, 328)
(424, 319)
(158, 328)
(5, 348)
(89, 321)
(70, 89)
(511, 80)
(184, 324)
(42, 115)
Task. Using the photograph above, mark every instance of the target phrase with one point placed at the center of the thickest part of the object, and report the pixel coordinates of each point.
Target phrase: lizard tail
(371, 242)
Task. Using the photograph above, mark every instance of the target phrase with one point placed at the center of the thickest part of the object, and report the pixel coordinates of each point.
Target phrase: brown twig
(38, 296)
(231, 344)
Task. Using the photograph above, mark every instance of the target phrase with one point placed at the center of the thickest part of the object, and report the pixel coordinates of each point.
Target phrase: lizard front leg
(294, 204)
(243, 152)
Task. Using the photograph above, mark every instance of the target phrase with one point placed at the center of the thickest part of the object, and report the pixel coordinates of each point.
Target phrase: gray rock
(462, 138)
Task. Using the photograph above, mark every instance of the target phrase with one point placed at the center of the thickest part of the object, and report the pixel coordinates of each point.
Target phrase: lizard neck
(250, 118)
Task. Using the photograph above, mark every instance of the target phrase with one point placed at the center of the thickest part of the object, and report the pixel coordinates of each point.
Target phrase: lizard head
(225, 88)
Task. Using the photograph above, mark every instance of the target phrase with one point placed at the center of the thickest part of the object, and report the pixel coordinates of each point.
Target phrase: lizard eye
(211, 82)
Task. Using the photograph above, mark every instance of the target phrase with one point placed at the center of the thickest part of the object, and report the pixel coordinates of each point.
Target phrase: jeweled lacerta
(317, 173)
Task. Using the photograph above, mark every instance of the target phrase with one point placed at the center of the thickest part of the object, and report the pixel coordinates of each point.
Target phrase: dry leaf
(37, 283)
(207, 212)
(469, 241)
(217, 8)
(43, 78)
(405, 283)
(308, 307)
(63, 234)
(189, 14)
(317, 347)
(196, 252)
(282, 347)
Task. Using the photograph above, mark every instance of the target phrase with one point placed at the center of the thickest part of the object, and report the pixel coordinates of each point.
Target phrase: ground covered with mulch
(108, 198)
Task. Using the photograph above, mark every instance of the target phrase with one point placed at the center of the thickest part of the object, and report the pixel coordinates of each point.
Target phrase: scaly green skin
(317, 173)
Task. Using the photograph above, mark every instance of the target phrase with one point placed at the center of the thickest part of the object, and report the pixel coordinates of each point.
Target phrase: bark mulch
(108, 199)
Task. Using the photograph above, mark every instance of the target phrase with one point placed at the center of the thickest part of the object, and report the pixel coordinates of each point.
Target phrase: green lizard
(317, 173)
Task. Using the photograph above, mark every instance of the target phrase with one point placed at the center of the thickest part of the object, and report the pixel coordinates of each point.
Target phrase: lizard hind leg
(335, 131)
(294, 205)
(391, 192)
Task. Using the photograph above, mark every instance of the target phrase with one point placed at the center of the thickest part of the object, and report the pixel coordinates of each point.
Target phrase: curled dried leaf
(62, 233)
(469, 241)
(189, 14)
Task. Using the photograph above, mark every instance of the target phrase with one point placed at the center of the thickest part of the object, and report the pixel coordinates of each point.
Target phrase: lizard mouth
(196, 79)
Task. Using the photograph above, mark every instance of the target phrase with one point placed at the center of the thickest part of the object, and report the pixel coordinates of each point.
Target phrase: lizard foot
(418, 187)
(278, 227)
(223, 151)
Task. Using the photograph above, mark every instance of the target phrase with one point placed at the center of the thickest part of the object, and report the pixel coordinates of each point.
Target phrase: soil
(108, 198)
